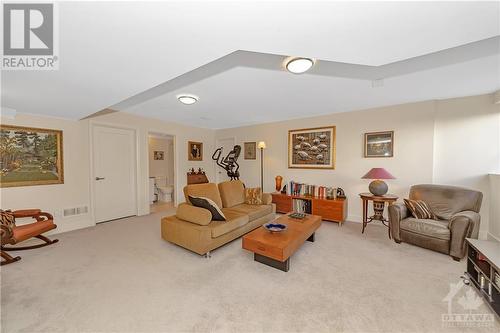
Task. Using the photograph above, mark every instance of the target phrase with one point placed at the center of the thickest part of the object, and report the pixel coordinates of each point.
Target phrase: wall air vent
(67, 212)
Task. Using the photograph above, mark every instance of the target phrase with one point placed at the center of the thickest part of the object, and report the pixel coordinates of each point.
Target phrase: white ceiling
(111, 51)
(244, 96)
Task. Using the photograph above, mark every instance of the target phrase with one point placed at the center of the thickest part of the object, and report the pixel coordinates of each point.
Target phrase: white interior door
(114, 159)
(227, 145)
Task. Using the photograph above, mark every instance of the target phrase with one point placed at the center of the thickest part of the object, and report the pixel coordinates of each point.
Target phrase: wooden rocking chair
(12, 234)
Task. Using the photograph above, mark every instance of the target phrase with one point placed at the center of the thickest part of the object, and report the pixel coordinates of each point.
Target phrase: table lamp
(378, 187)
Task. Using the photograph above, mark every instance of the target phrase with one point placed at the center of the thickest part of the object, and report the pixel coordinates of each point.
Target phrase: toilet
(164, 190)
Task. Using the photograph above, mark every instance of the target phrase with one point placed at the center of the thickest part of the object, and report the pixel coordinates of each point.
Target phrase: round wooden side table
(378, 208)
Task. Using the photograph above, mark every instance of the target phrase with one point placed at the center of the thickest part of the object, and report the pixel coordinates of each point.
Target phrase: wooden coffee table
(275, 249)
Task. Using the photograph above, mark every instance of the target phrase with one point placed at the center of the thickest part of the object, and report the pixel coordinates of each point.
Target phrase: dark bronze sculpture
(229, 163)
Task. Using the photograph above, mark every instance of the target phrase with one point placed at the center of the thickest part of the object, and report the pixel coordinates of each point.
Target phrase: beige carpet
(122, 277)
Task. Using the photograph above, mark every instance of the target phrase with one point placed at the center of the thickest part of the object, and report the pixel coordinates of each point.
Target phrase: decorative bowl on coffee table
(275, 227)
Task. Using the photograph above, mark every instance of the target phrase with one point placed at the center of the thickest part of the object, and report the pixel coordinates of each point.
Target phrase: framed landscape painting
(312, 148)
(30, 156)
(379, 144)
(250, 150)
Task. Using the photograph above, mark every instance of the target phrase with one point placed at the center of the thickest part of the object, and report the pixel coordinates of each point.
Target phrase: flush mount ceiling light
(187, 99)
(299, 65)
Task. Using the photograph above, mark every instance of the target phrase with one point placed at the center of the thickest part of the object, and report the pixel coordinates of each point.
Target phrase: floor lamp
(262, 146)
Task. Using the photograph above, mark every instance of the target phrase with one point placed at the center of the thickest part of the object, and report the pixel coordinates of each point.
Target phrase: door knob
(99, 178)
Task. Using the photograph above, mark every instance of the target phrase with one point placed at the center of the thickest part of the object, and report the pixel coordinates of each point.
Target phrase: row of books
(310, 190)
(301, 206)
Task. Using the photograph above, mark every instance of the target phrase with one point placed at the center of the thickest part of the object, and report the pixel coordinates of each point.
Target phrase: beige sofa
(192, 227)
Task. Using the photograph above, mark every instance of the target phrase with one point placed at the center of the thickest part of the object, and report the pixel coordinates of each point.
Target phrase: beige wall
(449, 141)
(466, 146)
(413, 126)
(452, 141)
(494, 225)
(76, 190)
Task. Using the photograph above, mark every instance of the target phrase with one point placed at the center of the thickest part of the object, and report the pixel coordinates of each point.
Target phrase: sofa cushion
(232, 193)
(208, 190)
(7, 218)
(419, 209)
(207, 203)
(234, 220)
(197, 215)
(253, 211)
(433, 228)
(267, 198)
(253, 196)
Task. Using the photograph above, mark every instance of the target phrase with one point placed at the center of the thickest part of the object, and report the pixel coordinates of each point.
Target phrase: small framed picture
(379, 144)
(250, 150)
(159, 155)
(195, 151)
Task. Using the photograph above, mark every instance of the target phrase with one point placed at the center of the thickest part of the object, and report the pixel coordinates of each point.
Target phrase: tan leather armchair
(457, 210)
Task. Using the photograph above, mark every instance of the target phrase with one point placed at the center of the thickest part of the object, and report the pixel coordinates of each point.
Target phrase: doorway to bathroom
(161, 153)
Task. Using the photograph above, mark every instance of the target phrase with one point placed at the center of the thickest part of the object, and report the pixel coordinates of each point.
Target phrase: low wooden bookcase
(483, 269)
(334, 210)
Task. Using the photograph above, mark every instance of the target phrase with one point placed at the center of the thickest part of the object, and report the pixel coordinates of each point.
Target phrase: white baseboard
(490, 236)
(65, 225)
(355, 218)
(483, 234)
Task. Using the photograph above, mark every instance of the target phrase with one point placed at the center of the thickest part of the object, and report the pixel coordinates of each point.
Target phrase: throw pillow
(253, 196)
(7, 218)
(419, 209)
(217, 214)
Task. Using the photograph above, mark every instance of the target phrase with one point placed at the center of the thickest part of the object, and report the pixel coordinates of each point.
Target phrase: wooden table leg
(281, 265)
(379, 204)
(365, 213)
(389, 228)
(388, 222)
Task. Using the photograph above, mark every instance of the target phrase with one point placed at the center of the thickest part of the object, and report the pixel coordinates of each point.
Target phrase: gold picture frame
(250, 151)
(312, 148)
(379, 144)
(195, 151)
(30, 156)
(158, 155)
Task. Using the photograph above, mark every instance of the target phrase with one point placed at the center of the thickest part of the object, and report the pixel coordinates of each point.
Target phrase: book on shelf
(301, 189)
(301, 206)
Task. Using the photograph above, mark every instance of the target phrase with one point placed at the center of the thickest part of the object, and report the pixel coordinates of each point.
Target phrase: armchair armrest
(462, 225)
(397, 212)
(197, 215)
(37, 214)
(267, 198)
(26, 213)
(47, 216)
